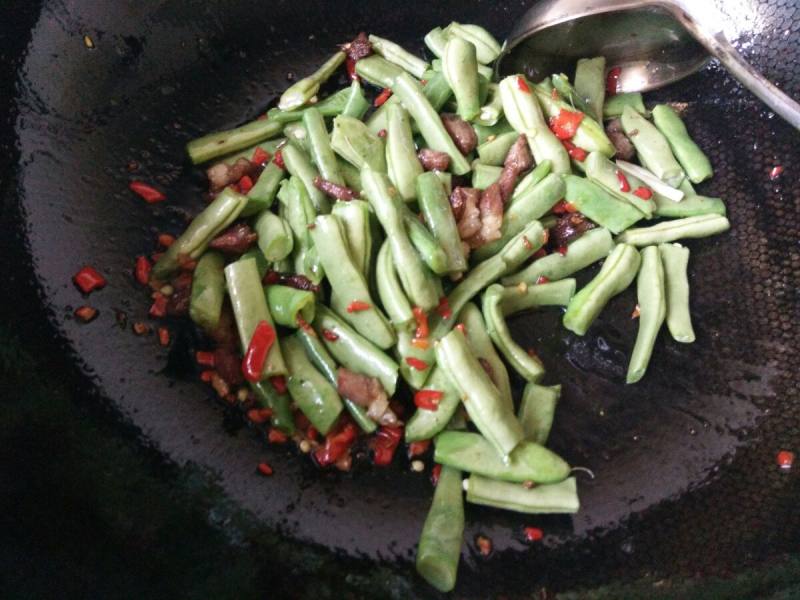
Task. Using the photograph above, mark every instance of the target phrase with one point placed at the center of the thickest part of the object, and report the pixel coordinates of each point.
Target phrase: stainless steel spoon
(654, 42)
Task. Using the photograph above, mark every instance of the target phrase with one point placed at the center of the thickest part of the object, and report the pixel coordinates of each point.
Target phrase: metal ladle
(654, 42)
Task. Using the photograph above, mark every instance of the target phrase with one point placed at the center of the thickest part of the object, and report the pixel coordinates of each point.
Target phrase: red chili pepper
(85, 313)
(484, 545)
(422, 323)
(533, 534)
(301, 421)
(276, 436)
(565, 124)
(624, 186)
(435, 472)
(527, 243)
(206, 376)
(532, 353)
(612, 81)
(542, 279)
(562, 250)
(522, 85)
(278, 160)
(337, 443)
(643, 192)
(428, 399)
(421, 343)
(775, 172)
(256, 355)
(384, 444)
(163, 336)
(418, 448)
(554, 94)
(245, 184)
(142, 270)
(88, 280)
(279, 383)
(358, 306)
(312, 433)
(560, 207)
(785, 459)
(156, 256)
(165, 240)
(419, 365)
(159, 307)
(147, 192)
(444, 308)
(382, 133)
(264, 469)
(205, 359)
(260, 156)
(330, 335)
(578, 154)
(462, 328)
(350, 65)
(259, 415)
(382, 97)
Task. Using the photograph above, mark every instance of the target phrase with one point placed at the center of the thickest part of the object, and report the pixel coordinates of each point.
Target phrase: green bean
(559, 497)
(406, 350)
(460, 68)
(435, 205)
(536, 411)
(485, 133)
(484, 403)
(286, 304)
(652, 310)
(329, 107)
(484, 78)
(297, 134)
(484, 175)
(389, 210)
(313, 394)
(486, 46)
(429, 250)
(320, 146)
(298, 164)
(358, 145)
(677, 229)
(473, 453)
(250, 308)
(519, 298)
(603, 172)
(446, 179)
(401, 154)
(459, 420)
(436, 90)
(590, 134)
(525, 115)
(224, 142)
(391, 293)
(262, 194)
(300, 213)
(652, 147)
(530, 205)
(268, 396)
(482, 347)
(599, 205)
(675, 259)
(430, 124)
(435, 40)
(692, 205)
(524, 185)
(378, 121)
(590, 83)
(378, 71)
(262, 264)
(303, 90)
(354, 351)
(694, 162)
(274, 236)
(424, 423)
(323, 361)
(494, 151)
(615, 276)
(614, 105)
(214, 219)
(567, 91)
(592, 246)
(442, 534)
(354, 215)
(357, 105)
(492, 109)
(398, 55)
(270, 146)
(208, 291)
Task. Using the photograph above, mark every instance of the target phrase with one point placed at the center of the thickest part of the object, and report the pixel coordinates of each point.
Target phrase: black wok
(686, 480)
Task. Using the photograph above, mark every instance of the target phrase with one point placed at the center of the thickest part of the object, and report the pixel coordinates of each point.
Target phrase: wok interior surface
(684, 462)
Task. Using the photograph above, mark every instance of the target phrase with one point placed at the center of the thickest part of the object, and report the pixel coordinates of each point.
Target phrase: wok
(685, 476)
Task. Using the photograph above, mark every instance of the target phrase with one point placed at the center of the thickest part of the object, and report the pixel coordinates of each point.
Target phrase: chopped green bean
(494, 151)
(378, 71)
(286, 304)
(299, 213)
(486, 46)
(424, 424)
(460, 68)
(692, 205)
(355, 216)
(590, 84)
(262, 194)
(652, 310)
(435, 205)
(357, 105)
(484, 175)
(353, 141)
(603, 172)
(652, 147)
(401, 154)
(675, 260)
(224, 142)
(677, 229)
(536, 411)
(599, 205)
(614, 105)
(274, 236)
(398, 55)
(303, 90)
(299, 165)
(390, 291)
(319, 143)
(561, 497)
(694, 162)
(280, 404)
(208, 291)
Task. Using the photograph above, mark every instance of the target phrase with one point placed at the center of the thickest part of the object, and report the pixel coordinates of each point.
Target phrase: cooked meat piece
(465, 208)
(334, 190)
(491, 217)
(462, 133)
(221, 175)
(359, 48)
(228, 364)
(624, 146)
(178, 301)
(361, 389)
(433, 160)
(225, 333)
(568, 229)
(518, 160)
(295, 280)
(236, 239)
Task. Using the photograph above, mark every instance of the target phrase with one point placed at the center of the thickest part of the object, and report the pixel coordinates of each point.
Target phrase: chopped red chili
(276, 436)
(578, 154)
(88, 280)
(259, 415)
(163, 336)
(260, 156)
(358, 306)
(532, 353)
(435, 472)
(301, 421)
(312, 433)
(329, 335)
(165, 240)
(643, 192)
(421, 319)
(785, 459)
(142, 270)
(350, 65)
(542, 279)
(159, 307)
(206, 375)
(384, 443)
(565, 124)
(554, 94)
(256, 354)
(527, 243)
(775, 172)
(279, 383)
(245, 184)
(428, 399)
(533, 534)
(612, 81)
(147, 192)
(415, 363)
(562, 250)
(382, 133)
(522, 85)
(337, 443)
(86, 313)
(418, 448)
(421, 343)
(484, 545)
(278, 159)
(624, 186)
(382, 97)
(205, 359)
(140, 328)
(264, 469)
(443, 308)
(462, 328)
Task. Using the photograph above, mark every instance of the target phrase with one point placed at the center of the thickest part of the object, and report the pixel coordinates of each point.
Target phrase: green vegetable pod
(262, 194)
(353, 141)
(286, 304)
(590, 84)
(399, 56)
(319, 143)
(401, 154)
(694, 162)
(354, 216)
(614, 105)
(486, 46)
(208, 291)
(435, 40)
(415, 362)
(460, 68)
(280, 404)
(303, 90)
(604, 173)
(378, 71)
(677, 229)
(484, 175)
(492, 109)
(298, 211)
(554, 498)
(427, 246)
(524, 297)
(298, 164)
(536, 411)
(433, 200)
(225, 142)
(473, 453)
(424, 424)
(675, 259)
(329, 107)
(692, 205)
(275, 237)
(494, 151)
(562, 85)
(357, 104)
(297, 134)
(393, 298)
(652, 310)
(652, 147)
(600, 205)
